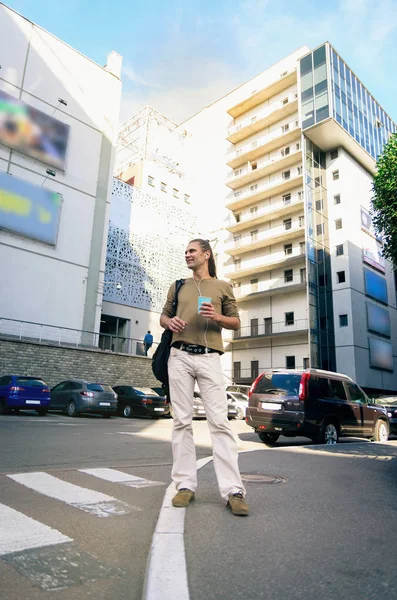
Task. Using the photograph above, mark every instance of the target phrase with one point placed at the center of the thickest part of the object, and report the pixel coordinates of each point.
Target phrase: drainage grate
(259, 478)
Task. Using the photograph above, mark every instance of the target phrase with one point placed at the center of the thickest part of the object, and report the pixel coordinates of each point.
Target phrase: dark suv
(321, 405)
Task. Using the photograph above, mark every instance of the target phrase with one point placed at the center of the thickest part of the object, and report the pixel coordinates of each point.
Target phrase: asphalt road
(325, 530)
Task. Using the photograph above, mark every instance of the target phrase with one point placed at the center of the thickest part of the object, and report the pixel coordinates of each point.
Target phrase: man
(147, 342)
(195, 356)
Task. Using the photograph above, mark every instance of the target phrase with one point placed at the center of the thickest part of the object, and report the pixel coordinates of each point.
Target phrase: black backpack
(162, 352)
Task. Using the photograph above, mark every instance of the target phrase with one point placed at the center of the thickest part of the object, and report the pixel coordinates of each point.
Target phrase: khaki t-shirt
(200, 330)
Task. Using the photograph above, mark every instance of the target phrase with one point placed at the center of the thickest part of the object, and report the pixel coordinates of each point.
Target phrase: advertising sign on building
(29, 209)
(32, 132)
(371, 243)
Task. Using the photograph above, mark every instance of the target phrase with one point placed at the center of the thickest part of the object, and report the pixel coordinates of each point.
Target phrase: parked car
(390, 404)
(76, 396)
(199, 410)
(240, 402)
(136, 401)
(18, 392)
(321, 405)
(235, 387)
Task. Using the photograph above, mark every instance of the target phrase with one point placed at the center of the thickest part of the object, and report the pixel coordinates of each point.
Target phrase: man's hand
(207, 311)
(176, 325)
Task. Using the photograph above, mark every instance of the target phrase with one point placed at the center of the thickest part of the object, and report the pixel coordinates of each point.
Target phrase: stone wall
(56, 363)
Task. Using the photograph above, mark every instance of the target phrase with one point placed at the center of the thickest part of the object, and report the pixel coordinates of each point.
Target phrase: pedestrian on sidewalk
(147, 342)
(206, 305)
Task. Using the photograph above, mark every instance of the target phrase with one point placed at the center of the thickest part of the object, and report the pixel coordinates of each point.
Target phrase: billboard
(29, 209)
(375, 286)
(32, 132)
(378, 319)
(380, 354)
(371, 243)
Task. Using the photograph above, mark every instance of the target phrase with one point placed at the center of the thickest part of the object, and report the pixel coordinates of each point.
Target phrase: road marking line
(90, 501)
(19, 532)
(115, 476)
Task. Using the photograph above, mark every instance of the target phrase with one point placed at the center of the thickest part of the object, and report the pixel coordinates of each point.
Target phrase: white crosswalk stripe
(115, 476)
(19, 532)
(96, 503)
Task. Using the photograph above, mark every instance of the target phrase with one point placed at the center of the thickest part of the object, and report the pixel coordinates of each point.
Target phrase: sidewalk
(319, 527)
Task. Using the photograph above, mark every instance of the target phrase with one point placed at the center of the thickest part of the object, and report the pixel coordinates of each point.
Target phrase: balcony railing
(274, 261)
(28, 331)
(260, 189)
(273, 108)
(267, 212)
(267, 329)
(267, 236)
(282, 284)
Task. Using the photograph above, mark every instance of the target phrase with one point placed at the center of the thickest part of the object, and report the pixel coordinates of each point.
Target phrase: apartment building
(292, 159)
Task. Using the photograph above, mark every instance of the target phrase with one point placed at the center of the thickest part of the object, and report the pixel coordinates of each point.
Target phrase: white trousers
(183, 370)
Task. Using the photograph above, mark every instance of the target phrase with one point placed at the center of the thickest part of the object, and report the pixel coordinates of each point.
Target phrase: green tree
(384, 201)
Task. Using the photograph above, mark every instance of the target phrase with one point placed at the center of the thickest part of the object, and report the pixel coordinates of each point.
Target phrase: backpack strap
(178, 284)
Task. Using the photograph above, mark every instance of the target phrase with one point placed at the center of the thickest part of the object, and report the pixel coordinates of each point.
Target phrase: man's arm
(175, 324)
(207, 310)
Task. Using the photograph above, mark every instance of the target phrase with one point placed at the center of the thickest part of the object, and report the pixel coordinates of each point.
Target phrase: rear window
(278, 384)
(99, 387)
(319, 387)
(29, 382)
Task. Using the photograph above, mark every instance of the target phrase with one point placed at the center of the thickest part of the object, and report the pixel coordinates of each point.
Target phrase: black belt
(194, 348)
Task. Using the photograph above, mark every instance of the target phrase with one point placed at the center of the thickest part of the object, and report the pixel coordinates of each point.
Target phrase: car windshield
(145, 392)
(388, 401)
(99, 387)
(29, 382)
(279, 384)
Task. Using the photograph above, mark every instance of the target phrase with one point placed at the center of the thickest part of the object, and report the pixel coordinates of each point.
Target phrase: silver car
(76, 396)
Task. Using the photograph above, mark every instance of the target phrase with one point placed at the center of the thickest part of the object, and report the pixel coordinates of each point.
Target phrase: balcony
(248, 196)
(267, 238)
(265, 144)
(264, 168)
(272, 211)
(264, 94)
(263, 120)
(269, 263)
(276, 288)
(268, 330)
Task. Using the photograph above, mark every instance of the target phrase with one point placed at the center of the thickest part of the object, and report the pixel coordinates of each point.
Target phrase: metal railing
(264, 212)
(273, 108)
(261, 187)
(66, 336)
(270, 328)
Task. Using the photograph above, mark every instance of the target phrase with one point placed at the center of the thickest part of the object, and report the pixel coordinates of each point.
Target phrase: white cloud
(129, 73)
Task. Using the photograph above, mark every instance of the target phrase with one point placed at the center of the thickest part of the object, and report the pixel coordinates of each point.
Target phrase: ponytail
(206, 247)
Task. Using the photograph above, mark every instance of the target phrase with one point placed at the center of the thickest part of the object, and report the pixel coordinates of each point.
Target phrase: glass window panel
(319, 56)
(321, 100)
(306, 64)
(307, 94)
(320, 73)
(307, 108)
(321, 86)
(306, 81)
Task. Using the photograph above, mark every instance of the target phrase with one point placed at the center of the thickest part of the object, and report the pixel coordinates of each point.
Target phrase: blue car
(25, 393)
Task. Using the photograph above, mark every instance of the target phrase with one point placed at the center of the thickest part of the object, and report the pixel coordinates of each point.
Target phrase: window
(254, 327)
(253, 210)
(287, 199)
(175, 193)
(337, 390)
(236, 371)
(284, 101)
(306, 363)
(288, 276)
(317, 182)
(303, 275)
(285, 128)
(355, 393)
(238, 217)
(268, 325)
(287, 249)
(150, 180)
(286, 174)
(163, 187)
(339, 250)
(300, 195)
(290, 362)
(338, 224)
(254, 285)
(301, 221)
(334, 154)
(237, 239)
(322, 280)
(289, 318)
(337, 199)
(237, 264)
(298, 146)
(335, 175)
(319, 204)
(254, 369)
(287, 224)
(237, 172)
(254, 235)
(319, 387)
(285, 151)
(254, 166)
(299, 170)
(343, 321)
(186, 198)
(320, 255)
(320, 228)
(254, 187)
(302, 246)
(341, 277)
(323, 323)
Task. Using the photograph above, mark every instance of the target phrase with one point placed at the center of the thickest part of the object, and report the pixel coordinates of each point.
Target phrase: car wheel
(4, 410)
(71, 409)
(240, 414)
(127, 411)
(42, 412)
(329, 434)
(268, 438)
(381, 432)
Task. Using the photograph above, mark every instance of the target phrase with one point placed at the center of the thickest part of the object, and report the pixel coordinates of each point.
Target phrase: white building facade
(58, 127)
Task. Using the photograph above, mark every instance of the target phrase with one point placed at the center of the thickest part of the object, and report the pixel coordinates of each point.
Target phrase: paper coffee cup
(200, 300)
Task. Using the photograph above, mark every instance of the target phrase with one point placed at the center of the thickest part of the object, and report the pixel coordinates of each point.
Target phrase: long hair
(206, 247)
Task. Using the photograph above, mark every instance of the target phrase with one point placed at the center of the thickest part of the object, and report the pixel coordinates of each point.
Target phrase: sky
(181, 55)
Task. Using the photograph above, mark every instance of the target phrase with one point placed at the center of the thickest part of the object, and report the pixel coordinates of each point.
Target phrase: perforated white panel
(145, 251)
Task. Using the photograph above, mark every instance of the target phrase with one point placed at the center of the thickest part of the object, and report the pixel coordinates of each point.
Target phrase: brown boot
(182, 498)
(238, 505)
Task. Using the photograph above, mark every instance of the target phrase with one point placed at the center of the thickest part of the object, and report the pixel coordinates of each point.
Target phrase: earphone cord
(206, 320)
